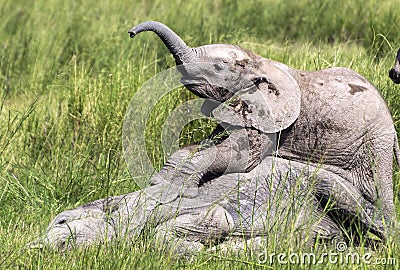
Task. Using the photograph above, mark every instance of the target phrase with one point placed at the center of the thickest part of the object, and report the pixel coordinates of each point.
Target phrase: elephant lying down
(277, 197)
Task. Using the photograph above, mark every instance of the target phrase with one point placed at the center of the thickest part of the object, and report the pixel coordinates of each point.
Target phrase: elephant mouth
(203, 89)
(189, 82)
(195, 87)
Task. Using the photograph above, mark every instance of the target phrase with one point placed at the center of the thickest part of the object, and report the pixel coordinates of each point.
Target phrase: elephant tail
(396, 149)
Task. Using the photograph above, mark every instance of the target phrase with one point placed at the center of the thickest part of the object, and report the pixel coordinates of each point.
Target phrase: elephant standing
(332, 116)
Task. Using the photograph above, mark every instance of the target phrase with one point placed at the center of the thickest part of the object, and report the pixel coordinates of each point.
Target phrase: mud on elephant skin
(278, 197)
(334, 116)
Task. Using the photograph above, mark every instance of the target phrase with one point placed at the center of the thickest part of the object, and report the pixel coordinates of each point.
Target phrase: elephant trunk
(394, 73)
(178, 48)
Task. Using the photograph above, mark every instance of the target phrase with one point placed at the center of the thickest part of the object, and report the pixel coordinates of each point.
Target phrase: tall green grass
(68, 71)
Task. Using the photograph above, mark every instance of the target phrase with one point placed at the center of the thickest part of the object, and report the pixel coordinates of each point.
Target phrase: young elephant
(276, 198)
(332, 116)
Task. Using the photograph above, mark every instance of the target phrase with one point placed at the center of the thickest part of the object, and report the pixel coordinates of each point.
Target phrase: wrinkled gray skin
(394, 73)
(241, 206)
(334, 116)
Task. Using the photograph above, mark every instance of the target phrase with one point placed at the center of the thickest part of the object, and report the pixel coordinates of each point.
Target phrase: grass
(68, 71)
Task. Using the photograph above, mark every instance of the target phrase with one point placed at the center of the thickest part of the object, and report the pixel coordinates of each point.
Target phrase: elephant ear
(270, 104)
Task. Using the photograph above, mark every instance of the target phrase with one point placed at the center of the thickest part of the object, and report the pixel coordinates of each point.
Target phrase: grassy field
(68, 71)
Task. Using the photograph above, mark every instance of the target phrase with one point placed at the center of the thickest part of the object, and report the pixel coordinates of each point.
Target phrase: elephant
(312, 150)
(333, 117)
(394, 73)
(272, 200)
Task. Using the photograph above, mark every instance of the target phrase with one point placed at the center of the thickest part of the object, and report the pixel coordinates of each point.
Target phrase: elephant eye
(61, 221)
(218, 66)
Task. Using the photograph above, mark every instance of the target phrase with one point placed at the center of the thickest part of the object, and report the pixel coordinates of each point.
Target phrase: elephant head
(82, 226)
(254, 91)
(394, 73)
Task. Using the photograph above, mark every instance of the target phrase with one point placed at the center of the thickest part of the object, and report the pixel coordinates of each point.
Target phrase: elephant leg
(271, 202)
(193, 165)
(324, 231)
(348, 200)
(383, 178)
(196, 230)
(213, 229)
(371, 170)
(326, 186)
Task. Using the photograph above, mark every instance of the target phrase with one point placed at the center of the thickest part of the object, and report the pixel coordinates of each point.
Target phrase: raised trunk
(178, 48)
